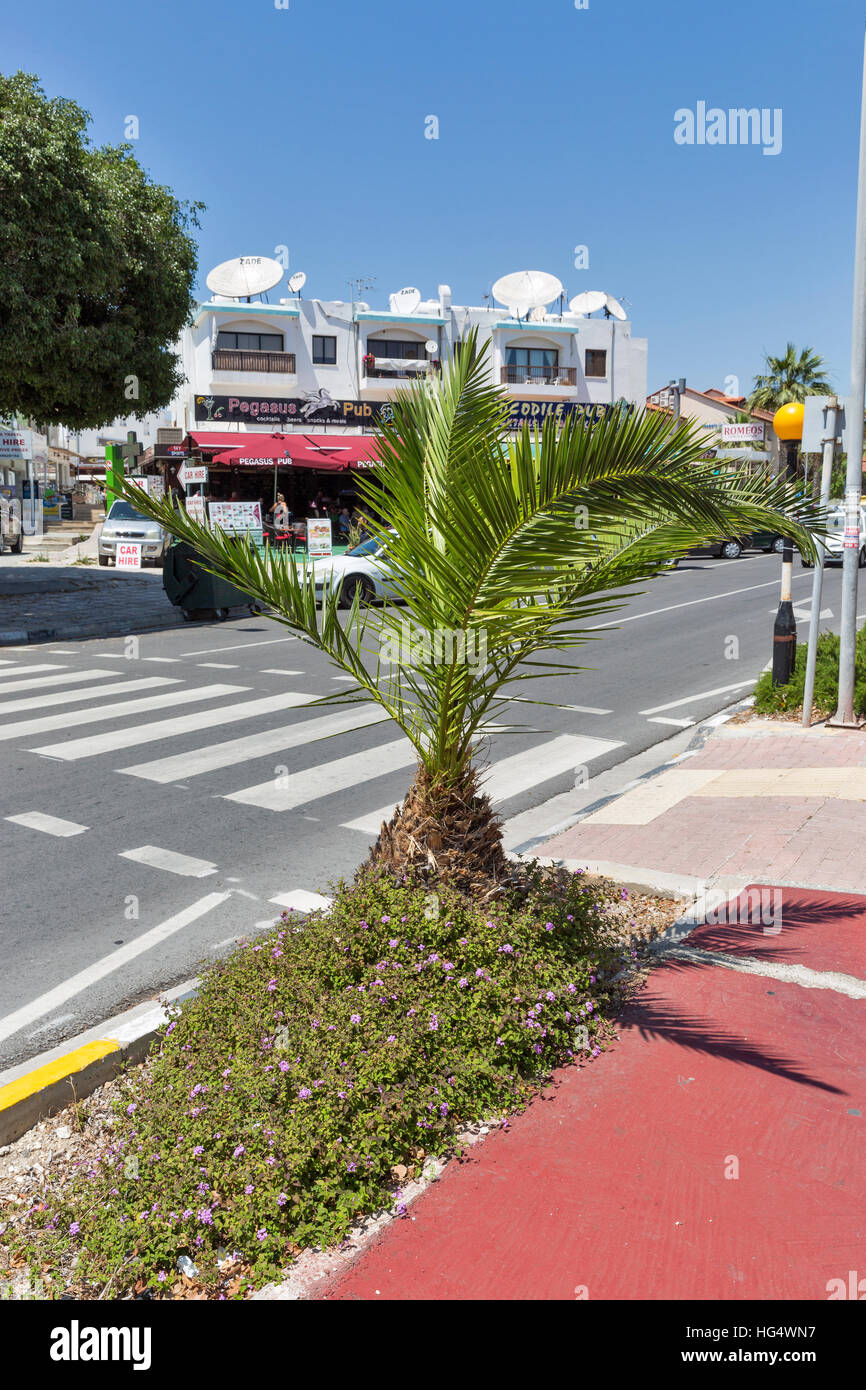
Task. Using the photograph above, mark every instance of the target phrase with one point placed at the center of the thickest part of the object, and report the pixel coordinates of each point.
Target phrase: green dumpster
(200, 595)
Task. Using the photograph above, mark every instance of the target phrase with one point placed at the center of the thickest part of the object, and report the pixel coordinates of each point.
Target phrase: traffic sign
(187, 475)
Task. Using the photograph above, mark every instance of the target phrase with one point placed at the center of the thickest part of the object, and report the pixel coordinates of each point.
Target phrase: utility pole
(788, 424)
(854, 474)
(829, 446)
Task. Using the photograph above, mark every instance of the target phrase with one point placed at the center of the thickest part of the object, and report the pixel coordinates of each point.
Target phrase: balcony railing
(398, 371)
(539, 376)
(237, 360)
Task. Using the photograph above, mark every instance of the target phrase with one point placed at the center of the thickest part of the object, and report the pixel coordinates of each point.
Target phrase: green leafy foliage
(517, 544)
(789, 378)
(96, 269)
(788, 699)
(318, 1058)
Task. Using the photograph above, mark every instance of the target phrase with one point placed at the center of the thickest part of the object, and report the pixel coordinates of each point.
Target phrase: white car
(124, 523)
(360, 568)
(833, 541)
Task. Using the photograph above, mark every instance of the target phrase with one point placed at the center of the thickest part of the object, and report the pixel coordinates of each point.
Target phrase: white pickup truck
(11, 530)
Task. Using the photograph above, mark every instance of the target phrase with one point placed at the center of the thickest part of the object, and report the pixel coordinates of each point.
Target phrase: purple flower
(199, 1149)
(409, 1013)
(393, 942)
(443, 1109)
(161, 1276)
(550, 995)
(479, 973)
(351, 1167)
(74, 1228)
(537, 1047)
(391, 1038)
(624, 894)
(499, 1042)
(433, 1024)
(355, 1018)
(386, 919)
(284, 1066)
(186, 1214)
(261, 1234)
(548, 926)
(304, 1093)
(248, 1189)
(238, 1151)
(282, 1199)
(570, 917)
(130, 1109)
(205, 1216)
(463, 982)
(506, 950)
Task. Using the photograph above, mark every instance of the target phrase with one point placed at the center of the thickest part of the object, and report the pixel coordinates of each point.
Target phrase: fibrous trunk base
(444, 834)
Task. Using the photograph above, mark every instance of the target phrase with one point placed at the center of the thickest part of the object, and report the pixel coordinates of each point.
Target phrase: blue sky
(305, 127)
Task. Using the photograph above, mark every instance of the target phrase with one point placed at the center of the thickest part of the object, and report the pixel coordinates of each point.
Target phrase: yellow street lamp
(788, 424)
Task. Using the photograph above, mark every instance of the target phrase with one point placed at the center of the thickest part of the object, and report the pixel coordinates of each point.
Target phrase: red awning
(327, 453)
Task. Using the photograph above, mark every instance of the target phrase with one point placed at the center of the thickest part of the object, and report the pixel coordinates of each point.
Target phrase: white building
(303, 371)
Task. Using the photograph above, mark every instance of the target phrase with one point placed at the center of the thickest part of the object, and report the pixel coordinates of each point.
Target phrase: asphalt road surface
(155, 807)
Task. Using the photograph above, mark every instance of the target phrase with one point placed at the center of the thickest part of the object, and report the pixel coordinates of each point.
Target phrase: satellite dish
(614, 307)
(526, 289)
(297, 281)
(432, 346)
(244, 276)
(538, 315)
(405, 301)
(588, 302)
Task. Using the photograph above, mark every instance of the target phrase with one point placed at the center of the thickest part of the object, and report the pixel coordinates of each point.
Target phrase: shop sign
(536, 412)
(319, 544)
(15, 444)
(128, 555)
(313, 408)
(236, 517)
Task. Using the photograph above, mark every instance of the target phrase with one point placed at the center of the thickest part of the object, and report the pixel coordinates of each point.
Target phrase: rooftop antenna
(244, 276)
(297, 282)
(361, 283)
(525, 290)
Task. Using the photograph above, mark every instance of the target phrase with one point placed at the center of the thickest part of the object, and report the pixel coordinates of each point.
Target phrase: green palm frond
(506, 550)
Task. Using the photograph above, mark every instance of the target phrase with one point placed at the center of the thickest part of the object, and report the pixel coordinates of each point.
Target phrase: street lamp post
(788, 424)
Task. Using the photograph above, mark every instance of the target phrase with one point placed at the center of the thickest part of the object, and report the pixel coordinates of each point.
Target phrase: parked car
(833, 541)
(359, 569)
(730, 549)
(11, 530)
(769, 541)
(124, 523)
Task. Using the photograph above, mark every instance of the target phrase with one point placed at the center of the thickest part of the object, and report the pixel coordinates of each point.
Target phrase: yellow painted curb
(67, 1065)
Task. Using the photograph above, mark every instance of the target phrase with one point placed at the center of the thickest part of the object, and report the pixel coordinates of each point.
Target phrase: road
(160, 799)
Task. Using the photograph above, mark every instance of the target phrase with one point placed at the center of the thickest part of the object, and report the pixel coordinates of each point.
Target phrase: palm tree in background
(792, 377)
(508, 551)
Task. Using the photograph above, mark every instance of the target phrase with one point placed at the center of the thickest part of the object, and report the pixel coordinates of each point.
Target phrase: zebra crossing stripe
(119, 710)
(518, 773)
(325, 779)
(45, 682)
(179, 766)
(53, 698)
(170, 728)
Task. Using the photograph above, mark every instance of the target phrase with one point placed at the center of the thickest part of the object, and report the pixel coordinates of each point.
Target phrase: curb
(40, 1087)
(70, 633)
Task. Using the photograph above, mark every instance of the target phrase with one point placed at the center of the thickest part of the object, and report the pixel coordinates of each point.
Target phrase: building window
(545, 358)
(596, 362)
(391, 347)
(324, 351)
(251, 342)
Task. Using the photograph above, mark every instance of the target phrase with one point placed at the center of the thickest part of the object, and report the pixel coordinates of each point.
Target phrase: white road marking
(218, 665)
(52, 1023)
(677, 723)
(76, 984)
(326, 779)
(121, 709)
(170, 660)
(241, 646)
(59, 651)
(349, 680)
(52, 825)
(272, 671)
(53, 698)
(50, 682)
(25, 666)
(240, 750)
(803, 611)
(510, 776)
(702, 695)
(301, 901)
(578, 709)
(170, 861)
(690, 603)
(169, 728)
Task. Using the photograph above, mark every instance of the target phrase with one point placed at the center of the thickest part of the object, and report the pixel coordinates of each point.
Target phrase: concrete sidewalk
(716, 1151)
(763, 801)
(51, 602)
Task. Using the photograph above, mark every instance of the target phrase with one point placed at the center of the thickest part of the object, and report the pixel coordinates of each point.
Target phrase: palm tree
(505, 549)
(789, 378)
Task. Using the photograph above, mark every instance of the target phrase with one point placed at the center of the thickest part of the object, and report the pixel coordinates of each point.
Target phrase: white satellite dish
(526, 289)
(297, 281)
(405, 301)
(244, 276)
(432, 346)
(588, 302)
(614, 307)
(538, 315)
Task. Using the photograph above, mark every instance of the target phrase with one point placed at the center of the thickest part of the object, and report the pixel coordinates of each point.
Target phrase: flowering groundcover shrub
(313, 1061)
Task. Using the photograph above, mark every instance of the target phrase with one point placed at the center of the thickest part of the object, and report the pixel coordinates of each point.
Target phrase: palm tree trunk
(445, 834)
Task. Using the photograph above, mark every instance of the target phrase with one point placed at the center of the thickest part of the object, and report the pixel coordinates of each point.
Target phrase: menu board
(236, 517)
(319, 545)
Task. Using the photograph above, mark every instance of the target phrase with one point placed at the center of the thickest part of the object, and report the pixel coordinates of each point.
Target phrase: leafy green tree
(505, 549)
(96, 269)
(792, 377)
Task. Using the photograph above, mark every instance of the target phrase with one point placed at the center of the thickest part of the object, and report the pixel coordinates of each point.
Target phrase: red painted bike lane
(716, 1151)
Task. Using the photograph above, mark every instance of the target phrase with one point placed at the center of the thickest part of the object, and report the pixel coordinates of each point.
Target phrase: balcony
(396, 369)
(239, 360)
(539, 376)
